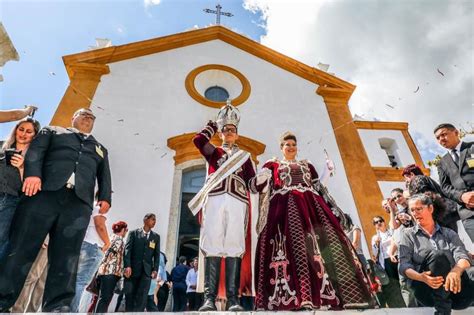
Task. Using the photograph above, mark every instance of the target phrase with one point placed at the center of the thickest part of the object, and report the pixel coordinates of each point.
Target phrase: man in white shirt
(95, 243)
(194, 298)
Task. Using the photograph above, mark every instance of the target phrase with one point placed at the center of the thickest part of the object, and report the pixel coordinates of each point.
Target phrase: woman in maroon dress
(303, 260)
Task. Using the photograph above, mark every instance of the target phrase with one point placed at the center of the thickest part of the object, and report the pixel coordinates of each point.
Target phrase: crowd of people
(56, 186)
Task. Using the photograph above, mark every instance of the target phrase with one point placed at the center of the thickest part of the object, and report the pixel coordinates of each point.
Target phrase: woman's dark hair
(430, 198)
(117, 227)
(287, 136)
(412, 168)
(10, 142)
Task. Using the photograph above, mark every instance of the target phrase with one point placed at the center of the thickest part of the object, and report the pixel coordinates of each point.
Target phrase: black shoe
(236, 308)
(61, 309)
(212, 270)
(232, 283)
(208, 306)
(5, 310)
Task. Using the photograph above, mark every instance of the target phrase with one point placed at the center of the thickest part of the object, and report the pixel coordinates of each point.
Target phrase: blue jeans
(89, 261)
(8, 205)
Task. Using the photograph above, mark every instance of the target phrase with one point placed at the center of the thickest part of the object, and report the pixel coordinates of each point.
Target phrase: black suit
(61, 212)
(143, 256)
(458, 179)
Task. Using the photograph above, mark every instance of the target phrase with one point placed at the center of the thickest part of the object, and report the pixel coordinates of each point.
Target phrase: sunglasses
(397, 197)
(378, 221)
(229, 130)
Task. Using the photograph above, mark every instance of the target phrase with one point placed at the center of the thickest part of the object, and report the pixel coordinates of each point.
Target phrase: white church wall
(372, 140)
(143, 102)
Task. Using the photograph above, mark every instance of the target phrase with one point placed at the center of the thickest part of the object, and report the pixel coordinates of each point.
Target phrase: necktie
(455, 156)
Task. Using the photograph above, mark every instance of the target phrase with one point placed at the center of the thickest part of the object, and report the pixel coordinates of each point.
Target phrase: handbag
(94, 285)
(380, 271)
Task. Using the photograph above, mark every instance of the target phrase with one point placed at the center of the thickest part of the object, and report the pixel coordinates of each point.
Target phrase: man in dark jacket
(178, 278)
(456, 173)
(141, 262)
(62, 166)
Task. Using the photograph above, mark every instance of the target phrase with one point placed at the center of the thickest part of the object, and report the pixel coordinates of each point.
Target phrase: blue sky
(44, 31)
(391, 50)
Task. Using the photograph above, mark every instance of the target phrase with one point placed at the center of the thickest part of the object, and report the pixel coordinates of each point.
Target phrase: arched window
(216, 94)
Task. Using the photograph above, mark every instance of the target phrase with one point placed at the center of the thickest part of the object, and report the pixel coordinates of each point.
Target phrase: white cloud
(388, 49)
(148, 3)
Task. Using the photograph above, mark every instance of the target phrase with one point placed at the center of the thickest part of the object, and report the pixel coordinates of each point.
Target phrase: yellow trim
(152, 46)
(390, 174)
(381, 125)
(403, 127)
(414, 151)
(186, 150)
(191, 88)
(85, 79)
(362, 180)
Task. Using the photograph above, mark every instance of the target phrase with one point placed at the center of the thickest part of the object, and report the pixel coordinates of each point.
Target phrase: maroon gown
(303, 257)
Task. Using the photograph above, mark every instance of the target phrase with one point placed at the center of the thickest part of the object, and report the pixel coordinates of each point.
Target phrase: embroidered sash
(229, 167)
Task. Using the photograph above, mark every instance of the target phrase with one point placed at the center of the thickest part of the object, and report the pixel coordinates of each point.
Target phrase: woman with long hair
(11, 173)
(303, 260)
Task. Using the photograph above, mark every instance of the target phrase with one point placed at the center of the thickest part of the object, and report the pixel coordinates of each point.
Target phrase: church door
(188, 237)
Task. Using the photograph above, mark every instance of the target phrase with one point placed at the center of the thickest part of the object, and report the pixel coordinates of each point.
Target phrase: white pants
(223, 229)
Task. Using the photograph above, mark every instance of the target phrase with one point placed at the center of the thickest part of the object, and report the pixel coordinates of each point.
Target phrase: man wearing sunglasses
(381, 245)
(224, 203)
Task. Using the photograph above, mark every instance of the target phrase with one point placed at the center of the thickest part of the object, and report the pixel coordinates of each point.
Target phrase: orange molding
(191, 88)
(362, 180)
(403, 127)
(186, 151)
(390, 174)
(152, 46)
(414, 152)
(381, 125)
(84, 81)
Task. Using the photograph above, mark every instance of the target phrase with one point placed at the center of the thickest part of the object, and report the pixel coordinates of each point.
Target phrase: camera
(9, 154)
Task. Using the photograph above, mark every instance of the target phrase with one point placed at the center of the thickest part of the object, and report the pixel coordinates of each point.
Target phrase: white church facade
(151, 97)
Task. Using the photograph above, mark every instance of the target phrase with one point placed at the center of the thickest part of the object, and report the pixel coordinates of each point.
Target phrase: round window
(216, 94)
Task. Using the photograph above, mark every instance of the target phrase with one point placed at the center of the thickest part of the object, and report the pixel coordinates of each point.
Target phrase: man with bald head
(62, 166)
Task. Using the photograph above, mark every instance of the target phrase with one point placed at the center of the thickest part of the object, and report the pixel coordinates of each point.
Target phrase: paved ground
(401, 311)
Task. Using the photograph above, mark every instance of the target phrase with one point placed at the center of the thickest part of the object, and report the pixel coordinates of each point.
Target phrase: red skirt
(304, 259)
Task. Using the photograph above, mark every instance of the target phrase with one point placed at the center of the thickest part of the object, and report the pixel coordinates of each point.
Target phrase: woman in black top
(11, 173)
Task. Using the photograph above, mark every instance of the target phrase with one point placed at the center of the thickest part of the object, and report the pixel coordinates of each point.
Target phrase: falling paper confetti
(417, 89)
(440, 72)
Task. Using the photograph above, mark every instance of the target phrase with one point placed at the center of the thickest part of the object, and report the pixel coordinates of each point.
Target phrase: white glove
(263, 176)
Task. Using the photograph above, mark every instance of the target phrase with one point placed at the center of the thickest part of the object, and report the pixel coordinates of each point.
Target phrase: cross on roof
(218, 13)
